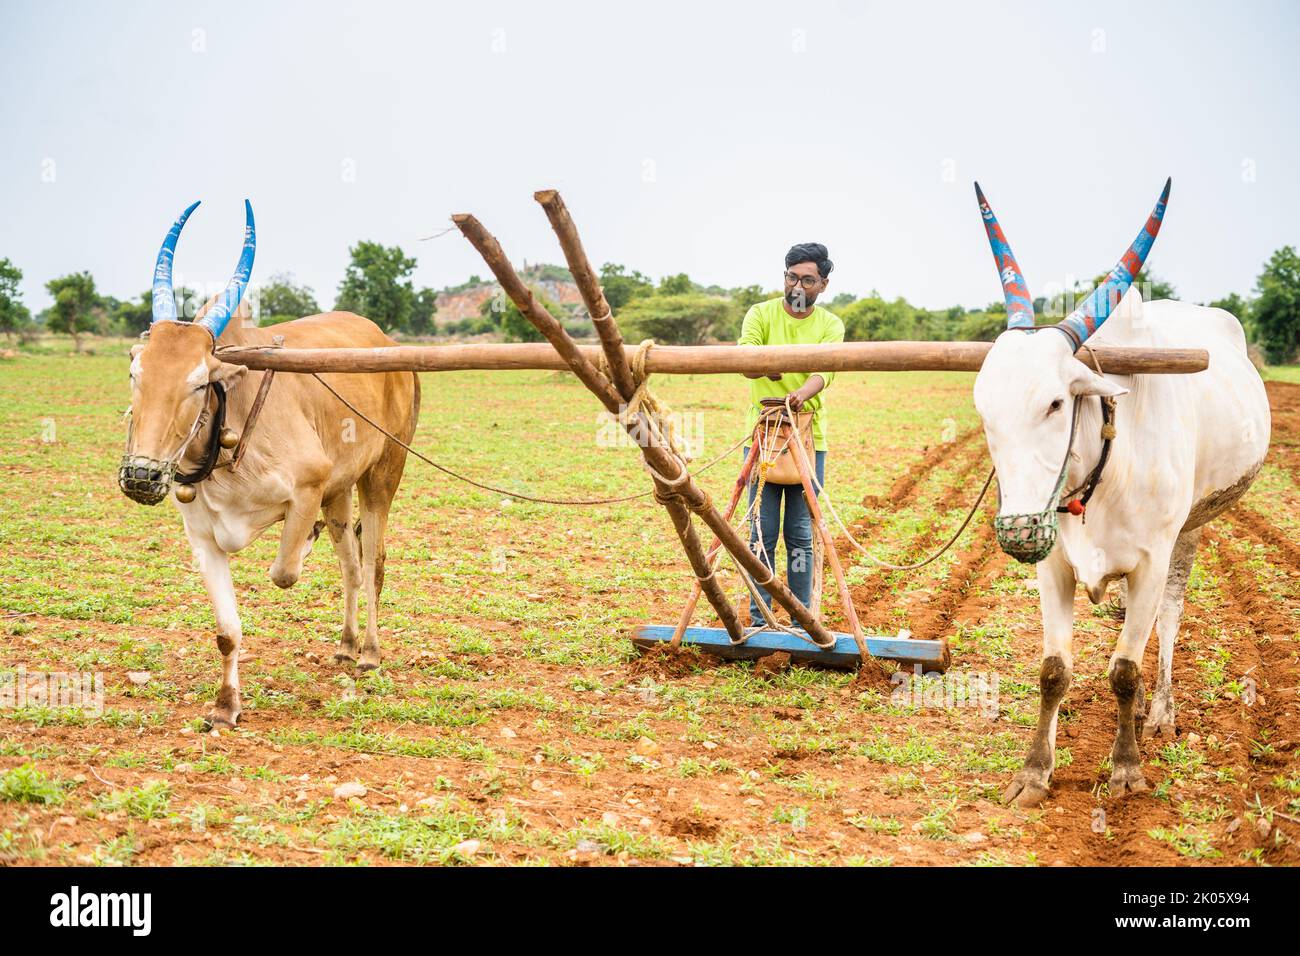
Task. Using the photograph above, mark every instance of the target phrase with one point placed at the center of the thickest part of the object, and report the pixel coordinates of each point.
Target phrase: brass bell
(185, 493)
(228, 438)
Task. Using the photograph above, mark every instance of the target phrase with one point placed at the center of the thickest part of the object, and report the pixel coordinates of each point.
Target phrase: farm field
(513, 724)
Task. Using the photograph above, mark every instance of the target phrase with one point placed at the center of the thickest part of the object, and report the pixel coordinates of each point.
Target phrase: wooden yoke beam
(698, 359)
(665, 464)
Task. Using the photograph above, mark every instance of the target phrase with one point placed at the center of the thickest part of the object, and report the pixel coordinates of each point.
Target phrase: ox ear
(227, 373)
(1088, 382)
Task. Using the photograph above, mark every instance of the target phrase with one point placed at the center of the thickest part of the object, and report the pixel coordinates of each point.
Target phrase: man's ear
(228, 374)
(1088, 382)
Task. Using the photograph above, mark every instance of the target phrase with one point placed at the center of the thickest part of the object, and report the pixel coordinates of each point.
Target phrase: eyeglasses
(806, 281)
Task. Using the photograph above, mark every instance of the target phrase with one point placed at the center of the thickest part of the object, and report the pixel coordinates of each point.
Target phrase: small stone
(183, 768)
(1193, 740)
(311, 657)
(753, 802)
(682, 860)
(67, 821)
(138, 678)
(646, 747)
(609, 818)
(300, 796)
(238, 785)
(467, 848)
(347, 791)
(538, 758)
(645, 823)
(507, 733)
(538, 785)
(588, 848)
(1235, 825)
(975, 837)
(429, 801)
(1263, 827)
(710, 745)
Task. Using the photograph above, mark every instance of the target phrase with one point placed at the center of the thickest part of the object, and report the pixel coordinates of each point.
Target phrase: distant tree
(873, 320)
(842, 300)
(501, 314)
(426, 307)
(749, 295)
(982, 326)
(377, 285)
(620, 287)
(75, 305)
(14, 316)
(1275, 313)
(679, 284)
(678, 319)
(132, 317)
(282, 300)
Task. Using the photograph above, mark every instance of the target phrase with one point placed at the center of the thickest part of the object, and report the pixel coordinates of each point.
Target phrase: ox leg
(299, 532)
(1145, 587)
(338, 516)
(375, 499)
(1056, 583)
(1160, 718)
(214, 564)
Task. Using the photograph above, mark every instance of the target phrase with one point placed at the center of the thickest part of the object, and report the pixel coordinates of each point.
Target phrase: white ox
(1185, 448)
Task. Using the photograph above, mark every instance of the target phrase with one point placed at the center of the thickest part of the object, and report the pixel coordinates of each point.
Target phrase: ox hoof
(1164, 727)
(222, 720)
(368, 663)
(1127, 779)
(1027, 789)
(344, 659)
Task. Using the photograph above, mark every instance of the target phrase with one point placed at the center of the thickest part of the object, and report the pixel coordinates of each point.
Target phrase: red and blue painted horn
(164, 298)
(216, 318)
(1096, 309)
(1020, 307)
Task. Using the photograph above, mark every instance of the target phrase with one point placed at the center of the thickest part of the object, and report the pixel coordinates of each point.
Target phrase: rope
(495, 490)
(824, 496)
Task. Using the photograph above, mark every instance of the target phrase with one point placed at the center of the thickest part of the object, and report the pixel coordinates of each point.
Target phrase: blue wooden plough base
(931, 655)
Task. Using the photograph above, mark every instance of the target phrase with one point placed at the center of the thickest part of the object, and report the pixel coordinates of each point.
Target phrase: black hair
(813, 252)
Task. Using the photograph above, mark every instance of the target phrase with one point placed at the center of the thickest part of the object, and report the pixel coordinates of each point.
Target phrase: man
(793, 319)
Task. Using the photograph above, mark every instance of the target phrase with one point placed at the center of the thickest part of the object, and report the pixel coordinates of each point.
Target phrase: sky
(703, 138)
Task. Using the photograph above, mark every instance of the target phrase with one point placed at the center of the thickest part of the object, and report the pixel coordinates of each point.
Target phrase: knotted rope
(658, 414)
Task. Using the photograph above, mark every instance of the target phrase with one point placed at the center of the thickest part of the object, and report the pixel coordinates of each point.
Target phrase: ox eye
(1055, 406)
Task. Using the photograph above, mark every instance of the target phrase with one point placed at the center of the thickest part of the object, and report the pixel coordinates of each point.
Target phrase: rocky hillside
(465, 302)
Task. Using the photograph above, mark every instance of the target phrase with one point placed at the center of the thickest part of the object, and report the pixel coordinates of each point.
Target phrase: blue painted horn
(1096, 309)
(1020, 307)
(216, 318)
(164, 298)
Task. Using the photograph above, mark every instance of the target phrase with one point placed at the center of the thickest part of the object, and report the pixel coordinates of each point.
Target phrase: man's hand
(810, 388)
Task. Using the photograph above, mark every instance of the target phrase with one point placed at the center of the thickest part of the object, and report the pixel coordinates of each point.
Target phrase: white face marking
(135, 368)
(198, 376)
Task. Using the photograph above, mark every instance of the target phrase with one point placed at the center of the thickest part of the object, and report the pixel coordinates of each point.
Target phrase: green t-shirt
(768, 323)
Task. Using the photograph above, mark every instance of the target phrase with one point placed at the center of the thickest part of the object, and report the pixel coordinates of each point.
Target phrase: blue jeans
(798, 536)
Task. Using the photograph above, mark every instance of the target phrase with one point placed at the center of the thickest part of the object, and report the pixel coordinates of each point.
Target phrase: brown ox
(304, 457)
